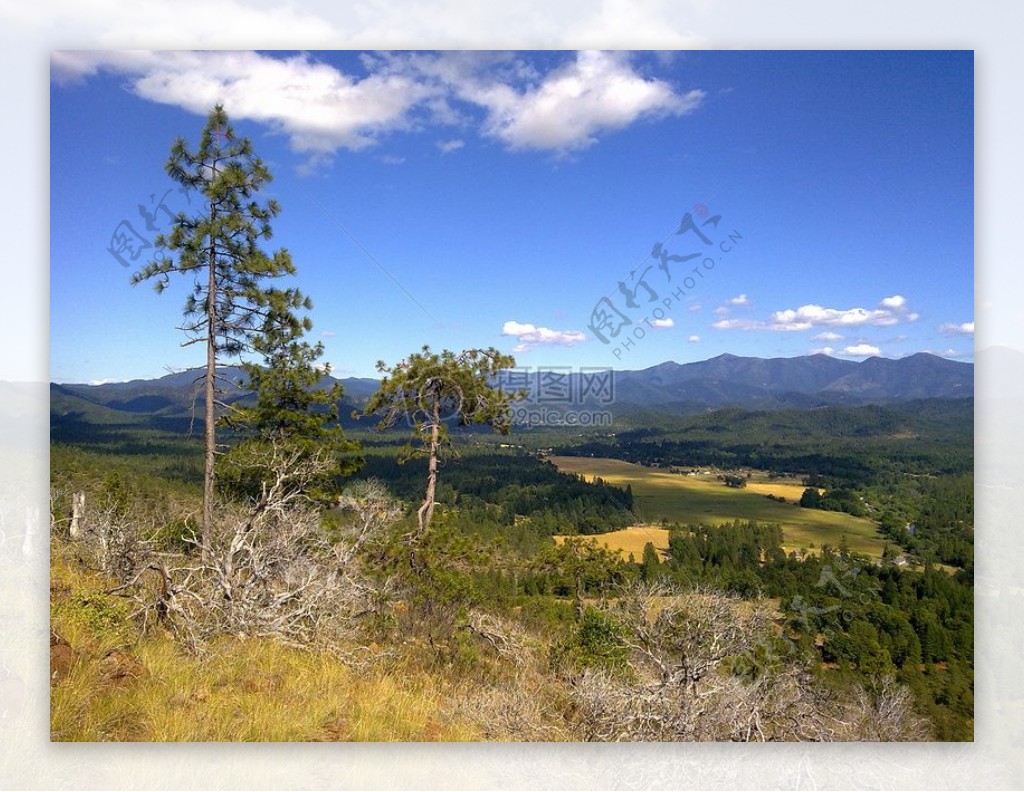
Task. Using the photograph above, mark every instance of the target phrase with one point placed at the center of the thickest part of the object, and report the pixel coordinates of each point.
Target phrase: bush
(597, 643)
(178, 535)
(102, 619)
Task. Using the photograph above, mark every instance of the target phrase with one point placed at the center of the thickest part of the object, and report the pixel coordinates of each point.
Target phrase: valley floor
(676, 497)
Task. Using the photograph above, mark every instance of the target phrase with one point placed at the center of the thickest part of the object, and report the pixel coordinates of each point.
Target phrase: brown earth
(62, 657)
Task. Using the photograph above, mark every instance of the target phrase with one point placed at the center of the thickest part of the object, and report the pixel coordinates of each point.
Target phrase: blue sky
(477, 199)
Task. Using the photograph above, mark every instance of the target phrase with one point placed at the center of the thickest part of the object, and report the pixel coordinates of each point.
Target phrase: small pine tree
(581, 563)
(294, 414)
(650, 564)
(430, 390)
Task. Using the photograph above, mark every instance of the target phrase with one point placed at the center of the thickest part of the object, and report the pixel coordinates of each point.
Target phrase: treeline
(862, 620)
(843, 447)
(933, 517)
(514, 495)
(842, 500)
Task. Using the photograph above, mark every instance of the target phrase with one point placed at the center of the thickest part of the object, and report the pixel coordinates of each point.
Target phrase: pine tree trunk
(211, 389)
(426, 511)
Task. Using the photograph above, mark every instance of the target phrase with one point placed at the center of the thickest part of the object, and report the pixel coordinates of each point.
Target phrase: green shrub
(597, 642)
(175, 535)
(103, 618)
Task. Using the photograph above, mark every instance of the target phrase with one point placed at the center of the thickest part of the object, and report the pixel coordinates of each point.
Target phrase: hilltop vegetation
(496, 582)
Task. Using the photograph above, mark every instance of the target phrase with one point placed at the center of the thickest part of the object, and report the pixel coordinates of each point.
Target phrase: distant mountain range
(723, 381)
(799, 382)
(171, 401)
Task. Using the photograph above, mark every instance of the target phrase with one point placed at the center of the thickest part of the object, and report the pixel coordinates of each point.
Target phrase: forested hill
(724, 381)
(799, 382)
(848, 446)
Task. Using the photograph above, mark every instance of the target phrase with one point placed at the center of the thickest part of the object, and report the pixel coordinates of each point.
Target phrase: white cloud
(722, 310)
(951, 353)
(861, 350)
(695, 307)
(321, 109)
(663, 323)
(856, 350)
(594, 93)
(328, 334)
(530, 336)
(740, 299)
(807, 316)
(694, 339)
(965, 328)
(828, 335)
(390, 159)
(448, 146)
(810, 316)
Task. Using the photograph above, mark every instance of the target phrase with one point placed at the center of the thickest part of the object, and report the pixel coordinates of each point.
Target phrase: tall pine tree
(219, 248)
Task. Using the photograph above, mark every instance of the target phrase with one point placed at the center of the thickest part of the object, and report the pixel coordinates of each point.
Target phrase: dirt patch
(62, 657)
(432, 732)
(119, 668)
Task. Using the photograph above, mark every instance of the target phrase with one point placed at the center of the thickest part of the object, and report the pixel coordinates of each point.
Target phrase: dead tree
(77, 515)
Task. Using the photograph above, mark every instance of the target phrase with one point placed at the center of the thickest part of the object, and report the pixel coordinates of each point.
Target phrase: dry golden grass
(127, 687)
(632, 540)
(788, 490)
(246, 691)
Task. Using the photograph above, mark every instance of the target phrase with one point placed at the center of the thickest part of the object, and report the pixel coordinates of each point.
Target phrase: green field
(658, 494)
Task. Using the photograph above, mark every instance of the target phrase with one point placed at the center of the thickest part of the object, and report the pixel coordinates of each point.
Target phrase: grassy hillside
(114, 683)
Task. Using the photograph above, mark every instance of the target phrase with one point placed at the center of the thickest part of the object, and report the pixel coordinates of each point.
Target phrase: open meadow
(658, 495)
(632, 540)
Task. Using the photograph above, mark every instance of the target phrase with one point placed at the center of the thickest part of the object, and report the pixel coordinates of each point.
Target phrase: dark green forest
(843, 447)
